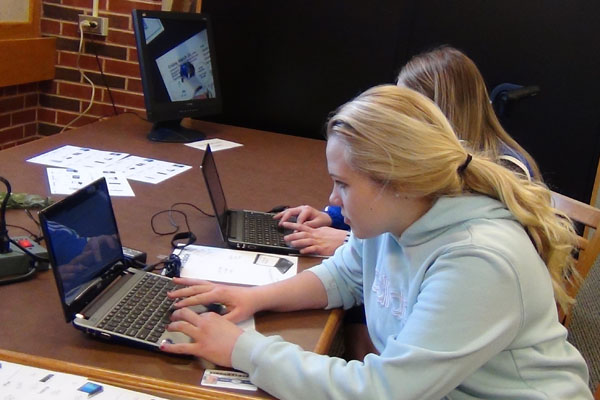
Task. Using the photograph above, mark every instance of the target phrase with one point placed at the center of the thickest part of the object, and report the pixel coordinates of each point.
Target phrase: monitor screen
(178, 71)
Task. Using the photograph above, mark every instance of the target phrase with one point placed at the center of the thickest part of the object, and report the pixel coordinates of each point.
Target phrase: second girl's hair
(399, 138)
(453, 81)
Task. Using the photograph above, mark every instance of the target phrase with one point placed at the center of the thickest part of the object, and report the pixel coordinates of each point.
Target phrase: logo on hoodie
(387, 296)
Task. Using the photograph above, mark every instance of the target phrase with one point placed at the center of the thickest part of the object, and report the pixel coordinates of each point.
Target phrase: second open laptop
(242, 229)
(98, 292)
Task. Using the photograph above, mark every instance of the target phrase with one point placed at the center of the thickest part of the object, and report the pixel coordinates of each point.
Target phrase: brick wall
(34, 110)
(18, 114)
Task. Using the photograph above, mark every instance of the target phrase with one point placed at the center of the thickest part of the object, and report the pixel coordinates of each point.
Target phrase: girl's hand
(213, 336)
(239, 301)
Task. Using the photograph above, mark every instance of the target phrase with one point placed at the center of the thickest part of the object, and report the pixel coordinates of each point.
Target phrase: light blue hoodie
(460, 307)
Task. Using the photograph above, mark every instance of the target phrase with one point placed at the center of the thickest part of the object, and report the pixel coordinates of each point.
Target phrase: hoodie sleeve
(342, 275)
(468, 310)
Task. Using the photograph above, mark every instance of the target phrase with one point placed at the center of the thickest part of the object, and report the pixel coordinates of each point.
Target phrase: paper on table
(25, 382)
(236, 266)
(215, 144)
(148, 170)
(77, 157)
(68, 180)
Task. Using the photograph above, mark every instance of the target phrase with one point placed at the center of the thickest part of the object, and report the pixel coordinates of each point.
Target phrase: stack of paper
(236, 266)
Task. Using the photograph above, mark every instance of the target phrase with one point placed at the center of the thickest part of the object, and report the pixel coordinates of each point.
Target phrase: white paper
(68, 180)
(24, 382)
(77, 157)
(232, 266)
(97, 163)
(147, 170)
(215, 144)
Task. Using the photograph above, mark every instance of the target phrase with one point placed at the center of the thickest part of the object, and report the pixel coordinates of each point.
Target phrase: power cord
(4, 240)
(81, 25)
(171, 265)
(172, 222)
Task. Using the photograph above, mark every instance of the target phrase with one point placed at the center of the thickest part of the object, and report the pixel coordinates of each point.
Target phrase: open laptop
(242, 229)
(98, 292)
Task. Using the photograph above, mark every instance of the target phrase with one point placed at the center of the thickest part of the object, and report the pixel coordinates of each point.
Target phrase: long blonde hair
(400, 138)
(453, 81)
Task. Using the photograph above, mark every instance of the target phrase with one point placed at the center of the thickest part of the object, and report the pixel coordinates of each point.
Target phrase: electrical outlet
(94, 25)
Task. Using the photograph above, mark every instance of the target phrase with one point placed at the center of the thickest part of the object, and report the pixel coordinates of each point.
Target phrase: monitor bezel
(174, 110)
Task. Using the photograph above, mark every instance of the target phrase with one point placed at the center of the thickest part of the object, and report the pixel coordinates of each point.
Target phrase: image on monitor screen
(178, 71)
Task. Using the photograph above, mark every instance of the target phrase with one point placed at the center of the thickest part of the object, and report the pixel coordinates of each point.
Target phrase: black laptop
(98, 292)
(243, 229)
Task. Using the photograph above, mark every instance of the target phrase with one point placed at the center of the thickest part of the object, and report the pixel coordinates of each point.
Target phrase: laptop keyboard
(263, 229)
(144, 312)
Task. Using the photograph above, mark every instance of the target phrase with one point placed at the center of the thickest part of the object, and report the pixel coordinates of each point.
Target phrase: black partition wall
(286, 64)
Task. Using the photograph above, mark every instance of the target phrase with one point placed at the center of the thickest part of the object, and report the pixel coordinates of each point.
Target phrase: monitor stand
(173, 132)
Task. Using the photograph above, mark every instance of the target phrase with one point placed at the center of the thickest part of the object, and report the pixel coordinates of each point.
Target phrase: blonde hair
(453, 81)
(398, 137)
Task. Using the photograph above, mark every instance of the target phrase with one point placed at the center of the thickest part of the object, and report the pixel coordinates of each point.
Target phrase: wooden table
(269, 170)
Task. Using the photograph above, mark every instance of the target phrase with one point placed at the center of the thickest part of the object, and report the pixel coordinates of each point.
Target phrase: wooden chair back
(589, 241)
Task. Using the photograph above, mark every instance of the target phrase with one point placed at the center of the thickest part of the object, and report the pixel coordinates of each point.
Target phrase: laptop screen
(215, 190)
(83, 243)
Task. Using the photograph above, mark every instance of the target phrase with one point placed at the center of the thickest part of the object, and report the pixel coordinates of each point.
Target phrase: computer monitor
(178, 69)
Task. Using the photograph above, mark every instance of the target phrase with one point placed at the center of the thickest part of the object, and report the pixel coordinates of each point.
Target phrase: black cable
(193, 206)
(36, 238)
(4, 240)
(173, 223)
(112, 101)
(40, 236)
(18, 278)
(176, 227)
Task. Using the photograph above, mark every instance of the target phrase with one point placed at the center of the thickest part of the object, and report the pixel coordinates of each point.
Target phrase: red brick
(49, 87)
(70, 30)
(80, 3)
(122, 68)
(4, 121)
(30, 129)
(31, 100)
(134, 85)
(132, 55)
(4, 146)
(121, 37)
(128, 99)
(46, 115)
(83, 92)
(86, 62)
(125, 7)
(12, 103)
(119, 22)
(10, 90)
(101, 109)
(50, 27)
(28, 88)
(64, 118)
(23, 117)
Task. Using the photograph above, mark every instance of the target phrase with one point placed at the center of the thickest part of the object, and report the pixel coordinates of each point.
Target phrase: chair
(589, 241)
